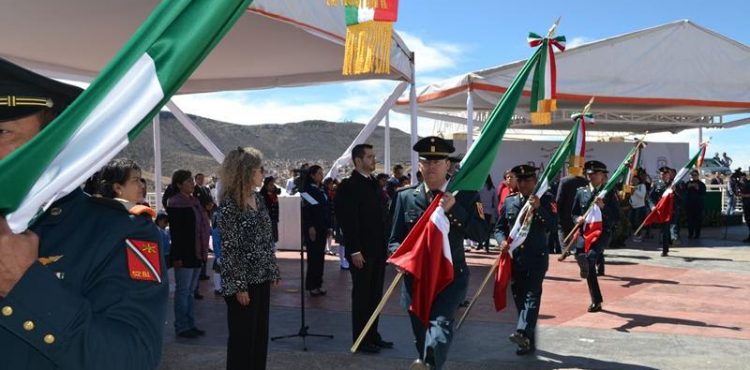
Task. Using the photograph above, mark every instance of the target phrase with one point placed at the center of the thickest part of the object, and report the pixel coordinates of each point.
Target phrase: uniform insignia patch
(48, 260)
(480, 210)
(144, 262)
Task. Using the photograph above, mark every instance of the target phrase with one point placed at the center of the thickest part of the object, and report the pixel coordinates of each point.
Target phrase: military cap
(23, 92)
(595, 166)
(456, 158)
(665, 169)
(433, 147)
(524, 171)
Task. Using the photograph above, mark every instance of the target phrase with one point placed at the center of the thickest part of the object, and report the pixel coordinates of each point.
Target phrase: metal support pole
(414, 130)
(157, 162)
(387, 139)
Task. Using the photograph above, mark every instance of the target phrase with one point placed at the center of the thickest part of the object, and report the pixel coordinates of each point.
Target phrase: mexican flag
(662, 212)
(425, 252)
(592, 218)
(369, 30)
(426, 255)
(116, 107)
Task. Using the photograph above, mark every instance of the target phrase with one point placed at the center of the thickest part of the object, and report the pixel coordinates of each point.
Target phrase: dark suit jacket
(361, 215)
(533, 253)
(566, 192)
(610, 213)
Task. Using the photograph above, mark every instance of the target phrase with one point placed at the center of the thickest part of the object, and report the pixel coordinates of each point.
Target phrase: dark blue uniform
(670, 231)
(90, 302)
(530, 259)
(465, 223)
(610, 217)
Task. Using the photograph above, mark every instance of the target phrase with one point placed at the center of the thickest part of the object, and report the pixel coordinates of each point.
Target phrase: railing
(725, 198)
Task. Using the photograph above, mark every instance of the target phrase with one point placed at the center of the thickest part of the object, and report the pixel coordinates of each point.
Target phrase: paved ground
(686, 311)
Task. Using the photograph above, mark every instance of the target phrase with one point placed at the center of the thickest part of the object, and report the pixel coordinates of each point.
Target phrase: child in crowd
(216, 242)
(163, 223)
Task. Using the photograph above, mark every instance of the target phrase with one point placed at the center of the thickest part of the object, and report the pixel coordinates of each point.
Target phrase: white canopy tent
(276, 43)
(666, 78)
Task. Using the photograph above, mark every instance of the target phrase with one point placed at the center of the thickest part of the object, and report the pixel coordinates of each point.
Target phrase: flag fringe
(541, 118)
(368, 48)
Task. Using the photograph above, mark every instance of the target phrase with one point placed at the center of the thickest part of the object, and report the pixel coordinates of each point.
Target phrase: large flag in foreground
(662, 212)
(426, 255)
(133, 87)
(416, 249)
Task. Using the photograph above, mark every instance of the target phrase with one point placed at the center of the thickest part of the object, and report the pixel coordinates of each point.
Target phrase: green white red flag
(116, 107)
(662, 212)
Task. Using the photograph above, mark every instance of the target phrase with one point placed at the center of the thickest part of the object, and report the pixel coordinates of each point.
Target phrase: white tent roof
(276, 43)
(667, 78)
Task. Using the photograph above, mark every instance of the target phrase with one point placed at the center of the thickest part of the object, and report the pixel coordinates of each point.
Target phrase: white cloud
(236, 108)
(435, 55)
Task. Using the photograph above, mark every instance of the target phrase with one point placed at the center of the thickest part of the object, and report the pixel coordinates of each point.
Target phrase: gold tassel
(368, 48)
(627, 189)
(541, 118)
(575, 171)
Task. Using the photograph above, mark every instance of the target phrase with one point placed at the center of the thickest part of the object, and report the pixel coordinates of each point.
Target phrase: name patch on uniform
(144, 262)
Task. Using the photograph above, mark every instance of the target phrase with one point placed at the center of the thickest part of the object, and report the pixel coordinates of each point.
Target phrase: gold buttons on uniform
(49, 339)
(28, 325)
(55, 211)
(7, 311)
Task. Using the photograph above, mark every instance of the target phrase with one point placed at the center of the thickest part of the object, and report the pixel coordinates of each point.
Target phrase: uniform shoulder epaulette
(109, 203)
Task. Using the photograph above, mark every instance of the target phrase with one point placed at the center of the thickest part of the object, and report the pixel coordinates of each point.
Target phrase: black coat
(316, 215)
(361, 215)
(182, 230)
(566, 192)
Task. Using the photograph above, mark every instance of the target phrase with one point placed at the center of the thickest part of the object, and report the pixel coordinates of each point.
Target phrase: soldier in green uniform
(530, 259)
(596, 173)
(465, 214)
(86, 286)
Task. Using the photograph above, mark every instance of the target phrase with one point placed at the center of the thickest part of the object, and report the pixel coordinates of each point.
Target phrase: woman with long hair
(316, 220)
(248, 263)
(190, 230)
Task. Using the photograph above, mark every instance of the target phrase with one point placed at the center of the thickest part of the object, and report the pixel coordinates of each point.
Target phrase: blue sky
(454, 37)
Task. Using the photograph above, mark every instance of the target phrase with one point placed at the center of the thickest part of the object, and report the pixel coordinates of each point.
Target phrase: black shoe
(525, 351)
(419, 365)
(464, 304)
(600, 273)
(199, 332)
(583, 265)
(664, 254)
(520, 339)
(383, 343)
(595, 307)
(190, 334)
(368, 348)
(197, 296)
(317, 292)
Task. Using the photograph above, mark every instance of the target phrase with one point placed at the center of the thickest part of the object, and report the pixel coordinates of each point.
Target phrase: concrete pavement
(685, 311)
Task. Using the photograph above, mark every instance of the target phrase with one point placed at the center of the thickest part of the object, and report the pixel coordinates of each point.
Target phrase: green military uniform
(588, 261)
(466, 222)
(96, 298)
(530, 259)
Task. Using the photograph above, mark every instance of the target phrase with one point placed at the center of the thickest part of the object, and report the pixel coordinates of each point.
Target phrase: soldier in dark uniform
(530, 259)
(465, 215)
(745, 194)
(659, 188)
(695, 194)
(86, 286)
(596, 173)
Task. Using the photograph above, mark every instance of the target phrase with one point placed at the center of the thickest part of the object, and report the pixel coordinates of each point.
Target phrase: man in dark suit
(361, 214)
(464, 212)
(566, 192)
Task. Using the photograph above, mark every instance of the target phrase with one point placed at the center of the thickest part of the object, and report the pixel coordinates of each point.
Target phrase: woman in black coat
(316, 220)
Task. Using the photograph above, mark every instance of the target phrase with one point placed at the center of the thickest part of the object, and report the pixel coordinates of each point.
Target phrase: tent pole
(387, 139)
(345, 157)
(196, 131)
(469, 119)
(157, 162)
(700, 135)
(413, 111)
